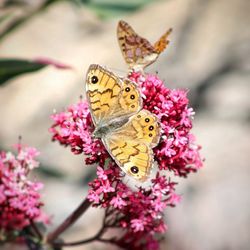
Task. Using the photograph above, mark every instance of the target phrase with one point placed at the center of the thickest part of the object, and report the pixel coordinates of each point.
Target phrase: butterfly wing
(162, 43)
(109, 96)
(131, 145)
(137, 51)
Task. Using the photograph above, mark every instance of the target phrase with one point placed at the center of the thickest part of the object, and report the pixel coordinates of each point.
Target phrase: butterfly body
(127, 131)
(105, 129)
(141, 63)
(137, 51)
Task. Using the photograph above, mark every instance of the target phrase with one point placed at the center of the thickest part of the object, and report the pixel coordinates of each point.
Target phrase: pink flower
(106, 187)
(93, 196)
(19, 197)
(158, 204)
(174, 199)
(101, 174)
(137, 225)
(139, 213)
(74, 128)
(117, 202)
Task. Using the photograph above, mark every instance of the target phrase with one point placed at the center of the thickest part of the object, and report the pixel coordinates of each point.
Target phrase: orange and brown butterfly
(128, 131)
(137, 51)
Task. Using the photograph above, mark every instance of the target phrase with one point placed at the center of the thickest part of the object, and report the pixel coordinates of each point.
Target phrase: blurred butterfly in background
(137, 51)
(127, 131)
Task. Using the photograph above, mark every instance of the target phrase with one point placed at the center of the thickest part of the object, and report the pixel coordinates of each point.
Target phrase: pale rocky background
(209, 54)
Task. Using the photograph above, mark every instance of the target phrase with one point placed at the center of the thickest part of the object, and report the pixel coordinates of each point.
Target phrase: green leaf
(10, 68)
(112, 8)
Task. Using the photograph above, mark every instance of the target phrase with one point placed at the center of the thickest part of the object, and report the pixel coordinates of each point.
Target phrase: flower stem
(80, 242)
(36, 230)
(72, 218)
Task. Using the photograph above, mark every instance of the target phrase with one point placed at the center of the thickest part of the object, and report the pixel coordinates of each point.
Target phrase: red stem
(69, 221)
(96, 237)
(80, 242)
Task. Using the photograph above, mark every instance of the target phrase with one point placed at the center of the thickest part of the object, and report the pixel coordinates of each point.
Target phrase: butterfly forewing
(110, 97)
(135, 49)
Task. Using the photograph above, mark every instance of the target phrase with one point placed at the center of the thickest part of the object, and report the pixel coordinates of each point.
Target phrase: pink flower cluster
(139, 213)
(74, 128)
(19, 197)
(177, 150)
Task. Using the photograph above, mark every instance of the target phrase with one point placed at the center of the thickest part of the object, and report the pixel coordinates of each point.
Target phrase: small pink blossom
(174, 199)
(101, 174)
(106, 187)
(137, 225)
(93, 196)
(117, 202)
(19, 197)
(158, 205)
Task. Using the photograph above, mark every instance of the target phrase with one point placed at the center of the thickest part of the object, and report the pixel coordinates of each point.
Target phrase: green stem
(36, 230)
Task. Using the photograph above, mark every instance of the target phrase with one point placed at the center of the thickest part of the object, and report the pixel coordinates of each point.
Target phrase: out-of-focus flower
(19, 197)
(138, 213)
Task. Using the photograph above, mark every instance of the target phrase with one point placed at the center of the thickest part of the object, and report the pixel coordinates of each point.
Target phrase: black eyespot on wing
(94, 79)
(150, 135)
(132, 97)
(151, 127)
(147, 120)
(134, 169)
(127, 89)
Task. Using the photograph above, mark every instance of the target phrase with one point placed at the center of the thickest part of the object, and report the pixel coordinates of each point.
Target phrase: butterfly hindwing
(133, 157)
(131, 145)
(130, 99)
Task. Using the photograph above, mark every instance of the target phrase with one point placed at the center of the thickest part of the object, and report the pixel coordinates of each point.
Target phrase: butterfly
(127, 131)
(137, 51)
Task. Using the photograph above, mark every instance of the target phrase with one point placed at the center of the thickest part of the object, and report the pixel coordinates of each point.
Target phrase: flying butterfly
(128, 131)
(137, 51)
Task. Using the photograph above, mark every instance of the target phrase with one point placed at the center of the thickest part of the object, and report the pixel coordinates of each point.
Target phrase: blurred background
(209, 53)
